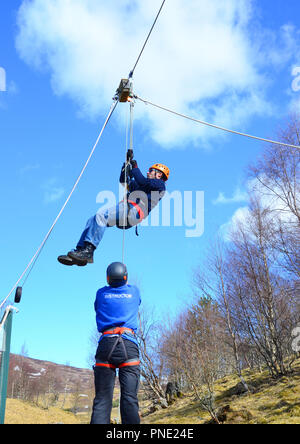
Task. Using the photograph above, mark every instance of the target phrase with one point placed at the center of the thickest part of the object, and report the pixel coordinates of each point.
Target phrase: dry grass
(21, 412)
(273, 402)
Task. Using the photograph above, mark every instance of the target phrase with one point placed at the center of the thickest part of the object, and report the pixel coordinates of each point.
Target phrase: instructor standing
(116, 309)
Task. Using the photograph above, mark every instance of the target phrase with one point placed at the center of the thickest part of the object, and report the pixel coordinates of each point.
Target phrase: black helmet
(116, 274)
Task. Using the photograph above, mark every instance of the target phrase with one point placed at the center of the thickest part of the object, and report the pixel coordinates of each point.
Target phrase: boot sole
(80, 262)
(65, 260)
(69, 262)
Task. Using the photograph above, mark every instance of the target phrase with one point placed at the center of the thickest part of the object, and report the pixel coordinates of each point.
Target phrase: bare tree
(202, 351)
(277, 179)
(213, 280)
(50, 387)
(261, 298)
(194, 348)
(151, 364)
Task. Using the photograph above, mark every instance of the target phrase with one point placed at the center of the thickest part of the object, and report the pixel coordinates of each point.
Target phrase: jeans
(121, 214)
(105, 380)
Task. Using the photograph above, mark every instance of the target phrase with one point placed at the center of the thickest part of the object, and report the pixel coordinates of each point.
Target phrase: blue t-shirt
(118, 307)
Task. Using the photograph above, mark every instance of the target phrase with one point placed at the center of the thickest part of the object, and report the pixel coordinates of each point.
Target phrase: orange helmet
(162, 168)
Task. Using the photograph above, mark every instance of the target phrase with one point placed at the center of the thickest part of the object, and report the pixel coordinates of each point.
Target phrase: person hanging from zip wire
(117, 307)
(144, 193)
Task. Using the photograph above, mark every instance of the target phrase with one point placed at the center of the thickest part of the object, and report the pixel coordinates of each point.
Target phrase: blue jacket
(138, 182)
(118, 307)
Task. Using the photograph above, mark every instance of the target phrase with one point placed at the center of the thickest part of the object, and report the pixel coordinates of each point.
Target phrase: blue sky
(229, 63)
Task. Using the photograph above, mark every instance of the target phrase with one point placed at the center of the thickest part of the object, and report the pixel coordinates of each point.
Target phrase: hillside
(21, 412)
(66, 376)
(272, 402)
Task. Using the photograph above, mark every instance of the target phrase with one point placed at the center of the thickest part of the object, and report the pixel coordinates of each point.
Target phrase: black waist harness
(118, 331)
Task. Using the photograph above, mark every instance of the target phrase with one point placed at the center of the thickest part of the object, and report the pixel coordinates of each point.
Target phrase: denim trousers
(95, 228)
(129, 378)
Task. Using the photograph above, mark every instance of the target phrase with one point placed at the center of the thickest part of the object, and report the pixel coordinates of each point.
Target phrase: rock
(226, 415)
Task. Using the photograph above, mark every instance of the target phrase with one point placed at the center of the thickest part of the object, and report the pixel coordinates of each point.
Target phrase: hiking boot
(83, 255)
(66, 260)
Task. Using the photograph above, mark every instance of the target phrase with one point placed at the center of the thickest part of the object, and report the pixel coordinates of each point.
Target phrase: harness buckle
(118, 331)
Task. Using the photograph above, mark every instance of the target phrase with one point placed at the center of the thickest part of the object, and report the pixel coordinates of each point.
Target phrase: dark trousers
(105, 380)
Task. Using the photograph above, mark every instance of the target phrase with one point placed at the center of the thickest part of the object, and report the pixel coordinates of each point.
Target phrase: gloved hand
(126, 170)
(129, 155)
(133, 163)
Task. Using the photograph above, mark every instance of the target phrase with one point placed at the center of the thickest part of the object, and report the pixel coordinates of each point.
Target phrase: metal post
(4, 366)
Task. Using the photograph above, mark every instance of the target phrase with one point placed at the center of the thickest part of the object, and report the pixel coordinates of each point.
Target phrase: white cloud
(52, 192)
(279, 212)
(53, 195)
(283, 46)
(237, 197)
(240, 216)
(199, 60)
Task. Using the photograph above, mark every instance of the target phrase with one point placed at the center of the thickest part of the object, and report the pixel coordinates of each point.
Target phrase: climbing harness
(138, 208)
(125, 225)
(135, 362)
(118, 331)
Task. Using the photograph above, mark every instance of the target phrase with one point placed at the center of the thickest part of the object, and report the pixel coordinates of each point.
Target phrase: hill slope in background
(272, 402)
(65, 376)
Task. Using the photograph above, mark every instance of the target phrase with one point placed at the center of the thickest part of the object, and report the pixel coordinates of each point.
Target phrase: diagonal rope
(35, 257)
(147, 102)
(146, 41)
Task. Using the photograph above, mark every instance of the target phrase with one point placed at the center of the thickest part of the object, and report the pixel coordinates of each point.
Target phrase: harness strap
(118, 331)
(119, 339)
(138, 208)
(139, 211)
(104, 364)
(128, 363)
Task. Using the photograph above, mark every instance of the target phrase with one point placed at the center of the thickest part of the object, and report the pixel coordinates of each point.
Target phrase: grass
(21, 412)
(273, 402)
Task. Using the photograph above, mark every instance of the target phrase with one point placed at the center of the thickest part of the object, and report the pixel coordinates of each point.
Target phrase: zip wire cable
(147, 102)
(39, 250)
(146, 41)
